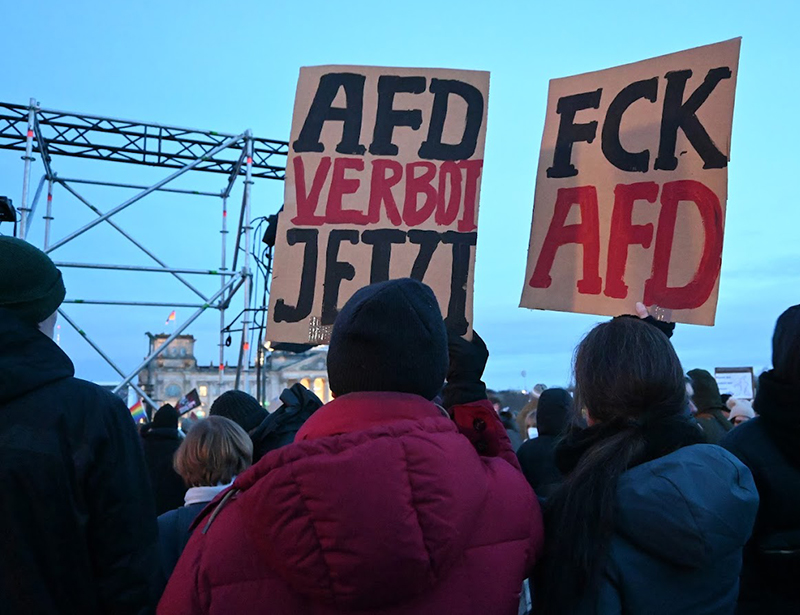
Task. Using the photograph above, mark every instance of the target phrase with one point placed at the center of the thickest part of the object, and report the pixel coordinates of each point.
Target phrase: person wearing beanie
(769, 445)
(79, 528)
(241, 408)
(267, 431)
(385, 502)
(711, 412)
(160, 440)
(741, 411)
(537, 456)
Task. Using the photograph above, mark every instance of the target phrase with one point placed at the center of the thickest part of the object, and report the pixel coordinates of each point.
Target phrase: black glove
(665, 327)
(467, 362)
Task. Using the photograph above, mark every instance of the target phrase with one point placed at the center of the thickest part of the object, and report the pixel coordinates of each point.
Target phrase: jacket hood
(369, 518)
(691, 507)
(28, 358)
(778, 404)
(553, 412)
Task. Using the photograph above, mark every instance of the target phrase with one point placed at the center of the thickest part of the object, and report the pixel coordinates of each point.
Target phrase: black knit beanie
(165, 417)
(389, 336)
(30, 284)
(241, 408)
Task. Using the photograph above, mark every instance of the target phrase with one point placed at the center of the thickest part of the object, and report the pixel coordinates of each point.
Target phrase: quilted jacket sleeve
(479, 422)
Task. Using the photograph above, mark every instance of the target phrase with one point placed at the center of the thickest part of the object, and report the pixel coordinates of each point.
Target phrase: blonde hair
(215, 450)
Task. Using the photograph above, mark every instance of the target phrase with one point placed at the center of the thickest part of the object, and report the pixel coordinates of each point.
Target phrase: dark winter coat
(380, 506)
(160, 444)
(710, 409)
(537, 455)
(173, 534)
(770, 446)
(78, 524)
(681, 523)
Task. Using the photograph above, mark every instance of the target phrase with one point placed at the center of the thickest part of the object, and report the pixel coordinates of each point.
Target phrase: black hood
(28, 358)
(553, 412)
(778, 405)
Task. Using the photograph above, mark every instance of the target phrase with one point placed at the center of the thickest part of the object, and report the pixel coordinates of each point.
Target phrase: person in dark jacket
(268, 431)
(241, 408)
(214, 452)
(78, 524)
(770, 446)
(385, 502)
(648, 520)
(711, 412)
(537, 456)
(160, 440)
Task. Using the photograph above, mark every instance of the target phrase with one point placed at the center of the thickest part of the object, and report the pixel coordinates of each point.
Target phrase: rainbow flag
(138, 413)
(171, 317)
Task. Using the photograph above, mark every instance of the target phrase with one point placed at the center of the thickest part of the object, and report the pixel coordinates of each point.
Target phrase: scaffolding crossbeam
(101, 138)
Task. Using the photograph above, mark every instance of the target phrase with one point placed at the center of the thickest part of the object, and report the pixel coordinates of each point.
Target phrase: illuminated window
(203, 390)
(319, 388)
(306, 383)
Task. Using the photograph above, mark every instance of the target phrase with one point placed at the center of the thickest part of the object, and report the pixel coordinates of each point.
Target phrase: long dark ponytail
(630, 381)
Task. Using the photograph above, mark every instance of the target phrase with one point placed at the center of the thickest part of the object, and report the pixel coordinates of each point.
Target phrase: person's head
(241, 408)
(553, 412)
(786, 346)
(690, 396)
(630, 382)
(30, 284)
(389, 336)
(706, 391)
(165, 417)
(625, 368)
(741, 411)
(214, 451)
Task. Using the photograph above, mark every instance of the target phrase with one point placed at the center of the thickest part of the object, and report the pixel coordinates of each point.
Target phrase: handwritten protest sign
(382, 182)
(631, 187)
(735, 381)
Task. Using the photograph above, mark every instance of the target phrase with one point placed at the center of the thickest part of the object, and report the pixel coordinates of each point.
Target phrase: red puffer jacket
(382, 506)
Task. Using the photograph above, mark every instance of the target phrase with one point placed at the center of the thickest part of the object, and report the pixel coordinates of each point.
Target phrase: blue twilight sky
(232, 66)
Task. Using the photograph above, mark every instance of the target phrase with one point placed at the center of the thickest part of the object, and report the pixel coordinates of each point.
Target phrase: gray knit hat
(30, 284)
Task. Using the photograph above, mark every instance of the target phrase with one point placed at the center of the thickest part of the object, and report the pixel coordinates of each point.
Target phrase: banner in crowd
(631, 187)
(190, 401)
(737, 382)
(382, 182)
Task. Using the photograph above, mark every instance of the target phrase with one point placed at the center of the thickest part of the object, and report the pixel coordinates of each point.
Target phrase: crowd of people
(641, 490)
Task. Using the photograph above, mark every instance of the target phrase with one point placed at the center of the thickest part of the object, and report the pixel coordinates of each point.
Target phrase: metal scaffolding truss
(49, 133)
(103, 138)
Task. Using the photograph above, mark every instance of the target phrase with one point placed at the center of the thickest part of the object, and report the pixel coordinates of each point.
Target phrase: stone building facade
(175, 372)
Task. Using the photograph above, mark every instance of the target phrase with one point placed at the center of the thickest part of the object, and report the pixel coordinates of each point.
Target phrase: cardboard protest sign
(382, 182)
(631, 187)
(735, 381)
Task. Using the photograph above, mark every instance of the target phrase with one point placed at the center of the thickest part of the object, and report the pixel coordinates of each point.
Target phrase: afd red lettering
(624, 233)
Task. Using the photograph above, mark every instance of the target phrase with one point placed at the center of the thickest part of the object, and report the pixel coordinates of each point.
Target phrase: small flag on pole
(171, 317)
(138, 413)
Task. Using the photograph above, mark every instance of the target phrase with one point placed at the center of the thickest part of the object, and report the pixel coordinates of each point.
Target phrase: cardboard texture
(631, 188)
(382, 182)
